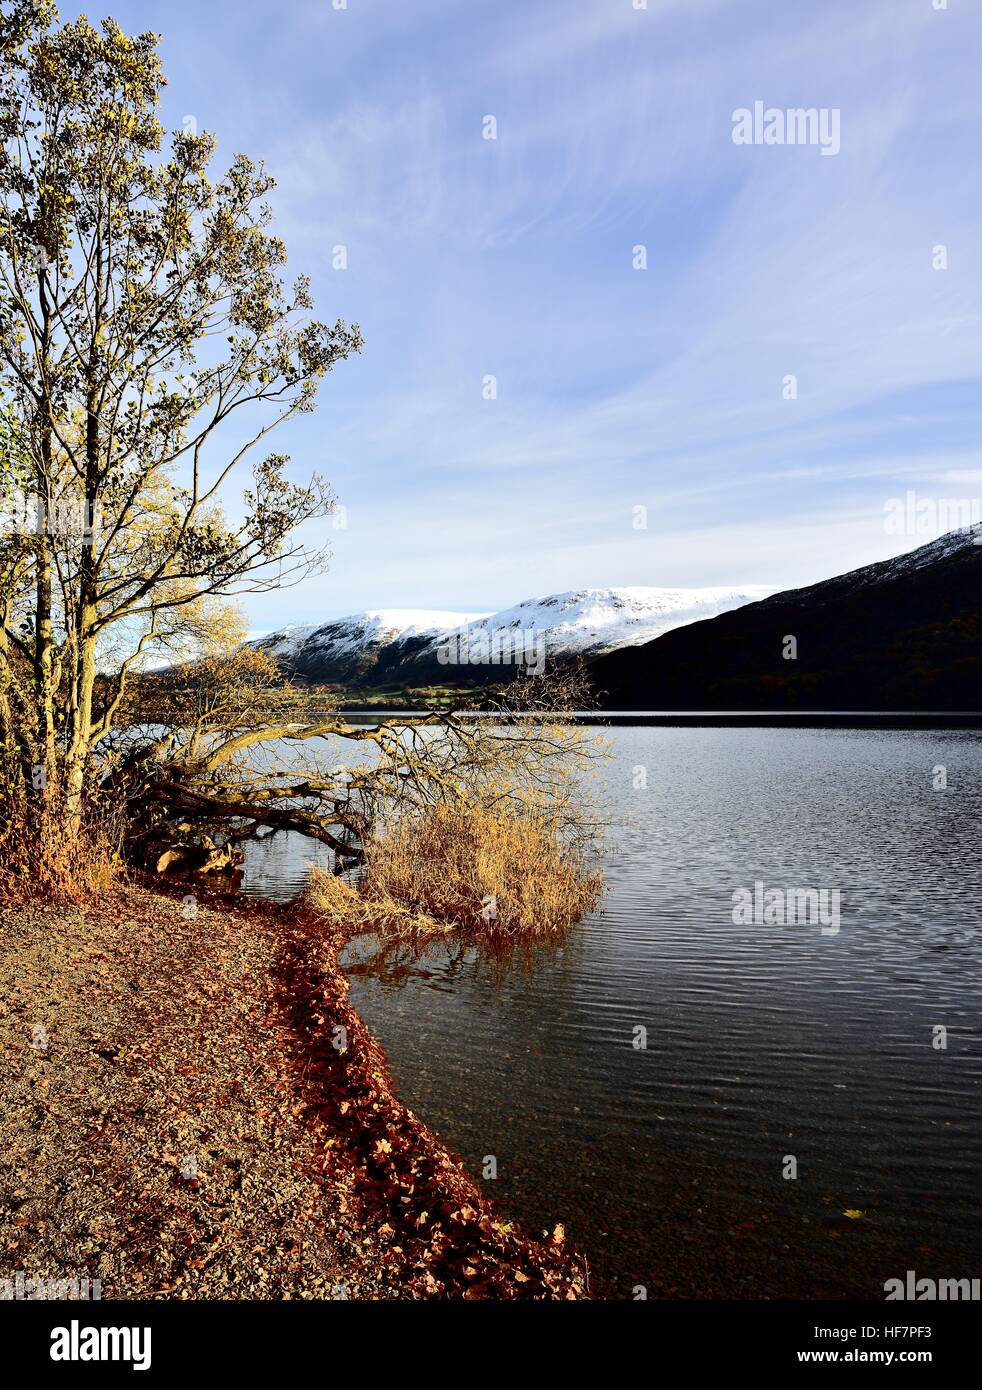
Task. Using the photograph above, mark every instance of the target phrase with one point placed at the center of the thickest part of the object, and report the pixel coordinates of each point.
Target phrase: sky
(644, 427)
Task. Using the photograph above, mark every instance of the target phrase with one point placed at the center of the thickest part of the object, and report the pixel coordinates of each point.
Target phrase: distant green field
(411, 696)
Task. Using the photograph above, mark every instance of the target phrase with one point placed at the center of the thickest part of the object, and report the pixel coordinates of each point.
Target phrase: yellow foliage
(467, 870)
(48, 856)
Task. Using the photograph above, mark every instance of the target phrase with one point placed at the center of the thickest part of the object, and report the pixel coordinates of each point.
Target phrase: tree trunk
(44, 665)
(80, 739)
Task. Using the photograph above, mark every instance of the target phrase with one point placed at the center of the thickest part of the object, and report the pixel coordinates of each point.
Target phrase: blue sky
(617, 388)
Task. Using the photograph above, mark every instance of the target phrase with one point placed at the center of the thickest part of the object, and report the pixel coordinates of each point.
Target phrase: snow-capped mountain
(421, 645)
(590, 621)
(901, 634)
(348, 648)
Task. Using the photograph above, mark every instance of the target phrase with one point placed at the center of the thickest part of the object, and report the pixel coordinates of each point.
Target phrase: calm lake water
(665, 1163)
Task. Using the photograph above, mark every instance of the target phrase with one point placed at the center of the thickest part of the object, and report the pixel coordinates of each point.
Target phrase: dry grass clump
(48, 856)
(470, 870)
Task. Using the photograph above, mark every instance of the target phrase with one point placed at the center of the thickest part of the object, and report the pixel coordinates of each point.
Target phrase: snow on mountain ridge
(572, 623)
(926, 555)
(931, 552)
(587, 620)
(342, 642)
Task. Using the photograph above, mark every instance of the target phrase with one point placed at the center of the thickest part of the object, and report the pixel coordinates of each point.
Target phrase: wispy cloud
(616, 387)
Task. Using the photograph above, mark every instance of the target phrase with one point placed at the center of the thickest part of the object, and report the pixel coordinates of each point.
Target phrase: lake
(767, 1049)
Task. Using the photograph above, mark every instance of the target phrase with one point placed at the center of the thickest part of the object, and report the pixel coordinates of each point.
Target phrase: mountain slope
(409, 646)
(350, 649)
(591, 621)
(905, 634)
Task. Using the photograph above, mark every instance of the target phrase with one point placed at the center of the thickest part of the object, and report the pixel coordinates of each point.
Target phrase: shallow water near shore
(763, 1043)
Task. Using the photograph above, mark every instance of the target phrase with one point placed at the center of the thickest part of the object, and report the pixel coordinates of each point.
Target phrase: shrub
(48, 855)
(463, 870)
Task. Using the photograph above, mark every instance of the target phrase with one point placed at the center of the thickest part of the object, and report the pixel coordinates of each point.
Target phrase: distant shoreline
(857, 719)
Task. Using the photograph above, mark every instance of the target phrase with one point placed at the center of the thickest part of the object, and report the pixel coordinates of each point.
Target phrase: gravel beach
(190, 1109)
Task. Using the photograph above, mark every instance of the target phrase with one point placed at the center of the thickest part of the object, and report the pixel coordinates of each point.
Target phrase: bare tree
(228, 750)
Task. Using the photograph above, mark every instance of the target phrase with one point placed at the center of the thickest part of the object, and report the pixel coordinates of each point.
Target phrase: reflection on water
(763, 1042)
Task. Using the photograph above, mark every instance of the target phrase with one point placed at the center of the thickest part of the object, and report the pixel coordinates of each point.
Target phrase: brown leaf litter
(191, 1108)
